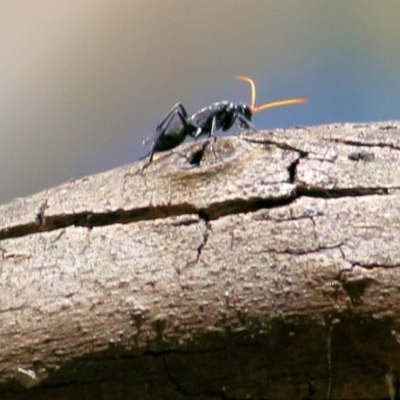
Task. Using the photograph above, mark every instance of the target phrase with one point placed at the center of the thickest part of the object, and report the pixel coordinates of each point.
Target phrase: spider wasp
(220, 115)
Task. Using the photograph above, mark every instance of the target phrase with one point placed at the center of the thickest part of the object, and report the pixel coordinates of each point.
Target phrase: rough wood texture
(271, 273)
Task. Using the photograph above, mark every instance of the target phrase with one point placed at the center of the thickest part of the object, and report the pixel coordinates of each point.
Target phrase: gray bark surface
(268, 273)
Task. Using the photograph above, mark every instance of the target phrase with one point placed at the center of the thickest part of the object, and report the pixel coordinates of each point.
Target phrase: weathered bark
(269, 273)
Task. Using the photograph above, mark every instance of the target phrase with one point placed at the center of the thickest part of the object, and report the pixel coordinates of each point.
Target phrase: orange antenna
(253, 88)
(255, 109)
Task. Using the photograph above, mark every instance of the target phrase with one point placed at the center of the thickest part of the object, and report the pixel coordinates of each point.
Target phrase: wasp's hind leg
(162, 128)
(176, 109)
(213, 139)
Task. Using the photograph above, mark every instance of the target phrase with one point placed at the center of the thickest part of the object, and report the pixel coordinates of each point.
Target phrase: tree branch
(268, 273)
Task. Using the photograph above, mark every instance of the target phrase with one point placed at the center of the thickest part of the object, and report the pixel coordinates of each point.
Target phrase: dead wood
(271, 272)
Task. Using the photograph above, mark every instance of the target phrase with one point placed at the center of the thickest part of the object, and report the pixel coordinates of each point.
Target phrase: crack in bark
(172, 380)
(279, 145)
(314, 250)
(201, 246)
(186, 393)
(292, 168)
(13, 309)
(214, 211)
(364, 144)
(205, 239)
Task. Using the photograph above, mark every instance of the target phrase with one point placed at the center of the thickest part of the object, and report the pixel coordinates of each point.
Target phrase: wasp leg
(190, 127)
(169, 138)
(159, 136)
(214, 138)
(244, 124)
(162, 128)
(176, 109)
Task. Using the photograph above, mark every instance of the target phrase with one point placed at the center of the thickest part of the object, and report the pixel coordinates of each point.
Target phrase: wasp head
(252, 107)
(245, 111)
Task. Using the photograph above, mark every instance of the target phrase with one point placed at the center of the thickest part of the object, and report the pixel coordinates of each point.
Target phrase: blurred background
(84, 82)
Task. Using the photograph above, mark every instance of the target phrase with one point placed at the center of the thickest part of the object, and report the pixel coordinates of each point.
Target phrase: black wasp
(220, 115)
